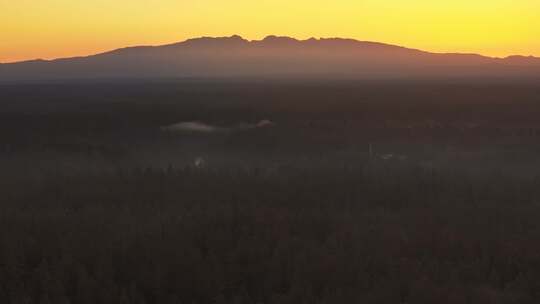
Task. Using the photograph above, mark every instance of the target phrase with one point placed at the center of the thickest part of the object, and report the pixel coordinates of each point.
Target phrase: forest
(239, 191)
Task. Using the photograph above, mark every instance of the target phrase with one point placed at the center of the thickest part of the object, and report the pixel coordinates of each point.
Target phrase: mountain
(274, 56)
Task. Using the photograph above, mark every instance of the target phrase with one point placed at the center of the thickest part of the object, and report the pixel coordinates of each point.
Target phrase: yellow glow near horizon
(61, 28)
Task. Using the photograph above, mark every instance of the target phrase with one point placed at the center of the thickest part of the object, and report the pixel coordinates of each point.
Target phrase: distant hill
(278, 57)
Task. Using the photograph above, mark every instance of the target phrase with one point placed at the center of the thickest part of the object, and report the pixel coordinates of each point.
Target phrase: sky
(47, 29)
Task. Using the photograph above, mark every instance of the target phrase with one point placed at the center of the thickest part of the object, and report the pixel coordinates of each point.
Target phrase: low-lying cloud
(201, 127)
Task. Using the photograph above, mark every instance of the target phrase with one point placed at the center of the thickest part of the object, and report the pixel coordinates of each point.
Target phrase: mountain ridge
(273, 56)
(269, 38)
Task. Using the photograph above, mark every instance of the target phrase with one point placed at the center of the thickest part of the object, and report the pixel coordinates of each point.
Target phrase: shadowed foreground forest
(234, 192)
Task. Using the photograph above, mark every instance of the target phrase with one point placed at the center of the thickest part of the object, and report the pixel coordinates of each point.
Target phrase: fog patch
(192, 126)
(264, 123)
(201, 127)
(199, 162)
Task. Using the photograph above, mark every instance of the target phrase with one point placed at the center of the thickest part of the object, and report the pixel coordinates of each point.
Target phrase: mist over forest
(270, 191)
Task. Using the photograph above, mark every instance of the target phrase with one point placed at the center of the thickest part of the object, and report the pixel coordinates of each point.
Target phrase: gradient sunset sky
(48, 29)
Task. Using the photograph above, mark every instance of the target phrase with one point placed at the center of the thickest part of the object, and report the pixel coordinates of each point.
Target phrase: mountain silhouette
(274, 56)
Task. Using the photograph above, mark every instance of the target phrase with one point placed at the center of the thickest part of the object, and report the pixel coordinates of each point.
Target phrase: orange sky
(59, 28)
